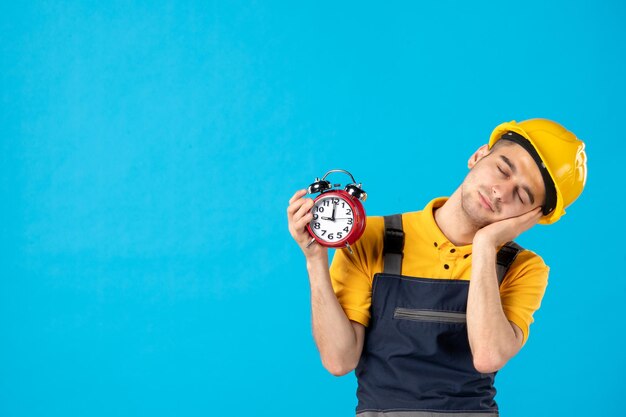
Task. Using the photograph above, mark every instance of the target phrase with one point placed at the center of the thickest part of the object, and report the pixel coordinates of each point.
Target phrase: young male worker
(432, 303)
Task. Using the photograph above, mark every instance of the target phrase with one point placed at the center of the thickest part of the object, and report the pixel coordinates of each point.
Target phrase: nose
(501, 192)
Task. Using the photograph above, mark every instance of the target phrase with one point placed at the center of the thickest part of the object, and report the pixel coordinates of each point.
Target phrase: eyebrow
(514, 170)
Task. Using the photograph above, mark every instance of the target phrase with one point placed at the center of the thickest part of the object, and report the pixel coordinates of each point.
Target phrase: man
(432, 304)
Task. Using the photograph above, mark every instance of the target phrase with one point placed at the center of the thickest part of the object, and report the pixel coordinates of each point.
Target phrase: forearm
(492, 338)
(333, 332)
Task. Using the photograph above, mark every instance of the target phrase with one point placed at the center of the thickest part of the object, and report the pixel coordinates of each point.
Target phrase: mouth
(485, 202)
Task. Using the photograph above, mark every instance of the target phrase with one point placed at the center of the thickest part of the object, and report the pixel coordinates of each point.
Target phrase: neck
(453, 222)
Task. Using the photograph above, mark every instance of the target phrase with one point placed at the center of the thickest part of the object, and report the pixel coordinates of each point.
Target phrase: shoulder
(527, 257)
(373, 235)
(528, 264)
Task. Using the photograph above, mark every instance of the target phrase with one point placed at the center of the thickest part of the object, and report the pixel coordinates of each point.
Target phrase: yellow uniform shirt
(429, 254)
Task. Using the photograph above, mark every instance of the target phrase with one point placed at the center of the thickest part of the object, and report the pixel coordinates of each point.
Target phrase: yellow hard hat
(561, 154)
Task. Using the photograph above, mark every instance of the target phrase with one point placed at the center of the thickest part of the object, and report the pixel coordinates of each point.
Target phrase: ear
(478, 155)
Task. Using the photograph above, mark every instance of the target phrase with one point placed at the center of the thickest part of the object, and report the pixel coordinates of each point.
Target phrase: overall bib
(416, 359)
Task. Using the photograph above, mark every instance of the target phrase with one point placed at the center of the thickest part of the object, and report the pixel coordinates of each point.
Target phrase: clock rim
(359, 219)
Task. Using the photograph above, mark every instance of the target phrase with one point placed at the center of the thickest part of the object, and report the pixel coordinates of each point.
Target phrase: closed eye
(506, 175)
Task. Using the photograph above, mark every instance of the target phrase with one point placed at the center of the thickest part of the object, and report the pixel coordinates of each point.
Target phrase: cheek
(514, 210)
(474, 177)
(483, 173)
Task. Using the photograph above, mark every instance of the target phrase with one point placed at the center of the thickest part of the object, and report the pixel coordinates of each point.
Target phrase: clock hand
(333, 215)
(327, 218)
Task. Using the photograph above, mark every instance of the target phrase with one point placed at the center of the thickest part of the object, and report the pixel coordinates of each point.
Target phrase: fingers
(303, 215)
(538, 213)
(297, 195)
(299, 210)
(296, 202)
(534, 215)
(299, 214)
(306, 206)
(508, 229)
(528, 220)
(301, 224)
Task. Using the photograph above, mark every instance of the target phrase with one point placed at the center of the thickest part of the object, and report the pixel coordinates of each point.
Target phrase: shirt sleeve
(352, 274)
(523, 288)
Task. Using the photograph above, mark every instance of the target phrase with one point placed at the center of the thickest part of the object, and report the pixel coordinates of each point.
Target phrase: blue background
(149, 149)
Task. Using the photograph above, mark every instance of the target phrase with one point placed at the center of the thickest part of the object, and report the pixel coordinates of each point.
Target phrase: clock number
(345, 229)
(320, 209)
(343, 204)
(348, 212)
(339, 235)
(315, 216)
(326, 202)
(316, 225)
(323, 232)
(349, 221)
(330, 236)
(335, 201)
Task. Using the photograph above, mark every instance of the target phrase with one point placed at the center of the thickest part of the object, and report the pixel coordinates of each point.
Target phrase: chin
(473, 212)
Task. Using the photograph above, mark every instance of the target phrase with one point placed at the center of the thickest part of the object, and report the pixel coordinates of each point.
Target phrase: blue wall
(149, 149)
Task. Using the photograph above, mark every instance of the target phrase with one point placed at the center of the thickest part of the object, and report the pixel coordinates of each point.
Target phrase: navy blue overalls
(416, 359)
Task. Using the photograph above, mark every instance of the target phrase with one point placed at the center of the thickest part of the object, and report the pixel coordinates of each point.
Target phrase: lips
(485, 202)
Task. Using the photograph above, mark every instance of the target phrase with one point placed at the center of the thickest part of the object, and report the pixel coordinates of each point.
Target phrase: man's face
(503, 183)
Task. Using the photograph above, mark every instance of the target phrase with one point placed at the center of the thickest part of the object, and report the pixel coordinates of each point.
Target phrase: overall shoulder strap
(506, 256)
(393, 245)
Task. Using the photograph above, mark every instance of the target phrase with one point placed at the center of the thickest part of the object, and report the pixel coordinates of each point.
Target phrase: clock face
(333, 219)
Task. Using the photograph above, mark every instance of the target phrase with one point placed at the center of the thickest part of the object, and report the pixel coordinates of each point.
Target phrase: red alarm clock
(338, 215)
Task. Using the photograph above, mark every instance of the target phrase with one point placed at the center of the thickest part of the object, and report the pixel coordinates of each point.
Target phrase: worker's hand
(500, 232)
(298, 216)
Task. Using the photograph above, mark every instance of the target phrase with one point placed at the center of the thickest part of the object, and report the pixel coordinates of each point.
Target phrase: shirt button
(446, 266)
(452, 250)
(435, 244)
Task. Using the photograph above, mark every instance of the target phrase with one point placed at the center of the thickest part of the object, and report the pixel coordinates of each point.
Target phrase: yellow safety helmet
(561, 154)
